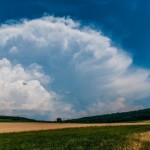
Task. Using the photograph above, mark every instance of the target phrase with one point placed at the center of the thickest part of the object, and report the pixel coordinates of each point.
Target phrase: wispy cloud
(68, 70)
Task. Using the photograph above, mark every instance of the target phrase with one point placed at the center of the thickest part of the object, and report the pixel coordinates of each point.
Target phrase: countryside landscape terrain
(103, 132)
(74, 74)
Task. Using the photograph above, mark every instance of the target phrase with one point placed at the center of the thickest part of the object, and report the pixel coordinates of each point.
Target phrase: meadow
(89, 138)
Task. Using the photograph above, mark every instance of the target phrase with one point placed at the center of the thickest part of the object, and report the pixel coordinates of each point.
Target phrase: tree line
(115, 117)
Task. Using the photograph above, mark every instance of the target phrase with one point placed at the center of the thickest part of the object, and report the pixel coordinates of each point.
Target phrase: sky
(73, 58)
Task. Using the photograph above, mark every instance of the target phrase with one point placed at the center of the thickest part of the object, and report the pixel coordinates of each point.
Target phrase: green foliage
(15, 119)
(116, 117)
(59, 120)
(92, 138)
(131, 116)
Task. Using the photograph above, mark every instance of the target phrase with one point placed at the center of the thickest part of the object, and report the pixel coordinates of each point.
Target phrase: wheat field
(22, 127)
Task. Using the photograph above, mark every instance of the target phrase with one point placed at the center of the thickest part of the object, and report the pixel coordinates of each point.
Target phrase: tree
(59, 120)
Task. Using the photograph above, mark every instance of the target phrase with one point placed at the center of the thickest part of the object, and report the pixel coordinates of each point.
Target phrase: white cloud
(22, 92)
(79, 60)
(13, 50)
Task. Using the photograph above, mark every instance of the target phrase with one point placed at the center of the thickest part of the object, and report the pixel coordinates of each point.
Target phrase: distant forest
(138, 115)
(15, 119)
(134, 116)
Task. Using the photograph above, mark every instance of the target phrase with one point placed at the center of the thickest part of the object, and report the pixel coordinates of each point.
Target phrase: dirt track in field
(22, 127)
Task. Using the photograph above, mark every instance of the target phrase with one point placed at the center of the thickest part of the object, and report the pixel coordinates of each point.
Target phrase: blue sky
(126, 21)
(70, 70)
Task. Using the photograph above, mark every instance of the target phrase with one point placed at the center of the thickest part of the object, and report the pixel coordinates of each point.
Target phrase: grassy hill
(15, 119)
(92, 138)
(133, 116)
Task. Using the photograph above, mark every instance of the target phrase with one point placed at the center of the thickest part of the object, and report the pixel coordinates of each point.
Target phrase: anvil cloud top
(73, 58)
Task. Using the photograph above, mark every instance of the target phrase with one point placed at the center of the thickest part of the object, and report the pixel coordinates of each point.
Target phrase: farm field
(135, 137)
(7, 127)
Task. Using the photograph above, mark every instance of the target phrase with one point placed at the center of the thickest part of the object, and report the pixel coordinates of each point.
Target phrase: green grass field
(92, 138)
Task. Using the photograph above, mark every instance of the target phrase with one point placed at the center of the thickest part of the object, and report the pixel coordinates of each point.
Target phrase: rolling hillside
(115, 117)
(15, 119)
(132, 116)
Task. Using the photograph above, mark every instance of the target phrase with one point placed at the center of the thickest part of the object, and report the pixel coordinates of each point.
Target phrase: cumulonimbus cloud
(22, 92)
(81, 72)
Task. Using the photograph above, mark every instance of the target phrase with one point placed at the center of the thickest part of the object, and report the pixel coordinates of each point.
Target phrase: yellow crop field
(21, 127)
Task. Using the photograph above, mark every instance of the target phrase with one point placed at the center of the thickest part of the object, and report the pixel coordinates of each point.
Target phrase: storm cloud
(53, 67)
